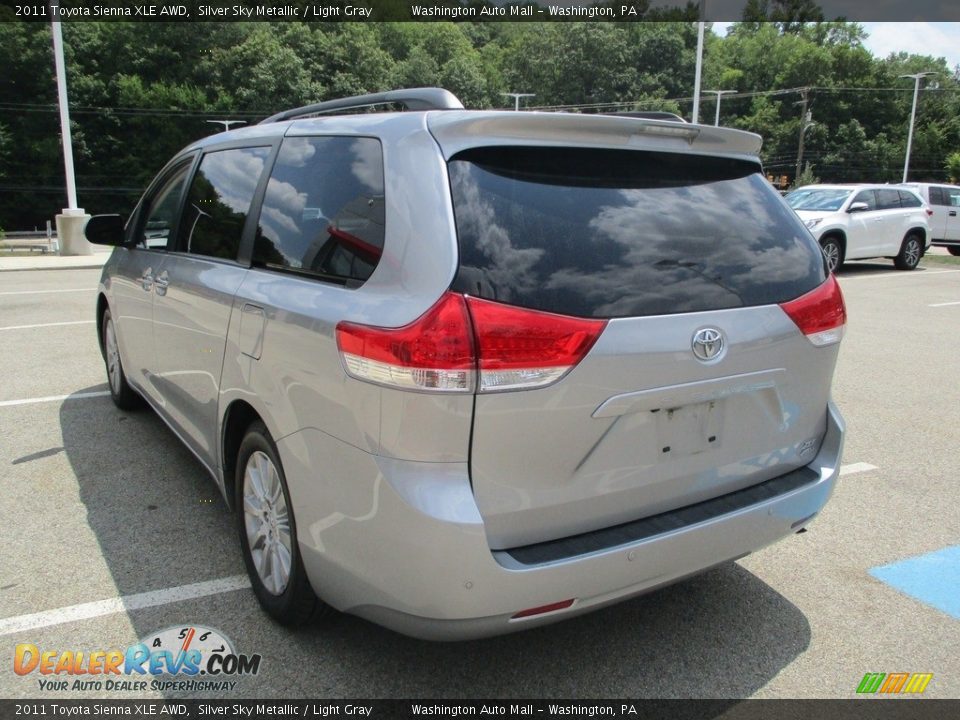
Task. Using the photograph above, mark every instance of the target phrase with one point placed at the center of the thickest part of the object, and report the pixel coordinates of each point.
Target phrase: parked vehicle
(857, 222)
(462, 373)
(944, 201)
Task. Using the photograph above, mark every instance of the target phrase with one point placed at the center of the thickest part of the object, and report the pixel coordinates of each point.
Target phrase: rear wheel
(268, 532)
(910, 253)
(833, 252)
(124, 396)
(954, 250)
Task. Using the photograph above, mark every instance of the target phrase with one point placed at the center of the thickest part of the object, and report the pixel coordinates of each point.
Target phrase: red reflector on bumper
(562, 605)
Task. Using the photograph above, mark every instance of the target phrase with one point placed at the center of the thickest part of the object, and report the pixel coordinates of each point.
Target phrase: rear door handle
(953, 213)
(162, 283)
(146, 279)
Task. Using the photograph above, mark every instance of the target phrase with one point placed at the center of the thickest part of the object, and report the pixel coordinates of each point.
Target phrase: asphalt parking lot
(113, 531)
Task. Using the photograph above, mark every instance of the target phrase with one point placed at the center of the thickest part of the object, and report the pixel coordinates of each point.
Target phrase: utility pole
(913, 116)
(805, 122)
(699, 68)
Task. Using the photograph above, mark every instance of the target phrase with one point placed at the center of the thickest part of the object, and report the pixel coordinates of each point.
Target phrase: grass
(940, 260)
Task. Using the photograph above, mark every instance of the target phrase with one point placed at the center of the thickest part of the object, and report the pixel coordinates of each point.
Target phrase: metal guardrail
(42, 240)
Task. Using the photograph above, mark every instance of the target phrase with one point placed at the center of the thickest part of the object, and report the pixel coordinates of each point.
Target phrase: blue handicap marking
(933, 578)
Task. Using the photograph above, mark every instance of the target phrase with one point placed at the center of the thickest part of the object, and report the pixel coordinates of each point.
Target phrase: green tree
(952, 166)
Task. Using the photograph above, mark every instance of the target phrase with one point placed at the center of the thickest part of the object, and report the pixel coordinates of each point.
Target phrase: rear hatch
(689, 380)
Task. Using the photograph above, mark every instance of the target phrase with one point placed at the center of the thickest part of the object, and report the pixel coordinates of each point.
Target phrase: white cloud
(939, 39)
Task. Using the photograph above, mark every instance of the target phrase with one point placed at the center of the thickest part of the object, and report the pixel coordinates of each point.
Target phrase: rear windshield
(611, 233)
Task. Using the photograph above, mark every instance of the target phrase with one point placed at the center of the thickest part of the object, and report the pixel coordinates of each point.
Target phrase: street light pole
(701, 26)
(917, 77)
(719, 94)
(516, 98)
(227, 123)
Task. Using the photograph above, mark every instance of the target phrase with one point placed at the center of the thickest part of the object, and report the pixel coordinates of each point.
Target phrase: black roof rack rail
(411, 98)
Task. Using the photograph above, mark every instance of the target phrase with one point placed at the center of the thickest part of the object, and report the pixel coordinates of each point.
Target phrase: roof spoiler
(410, 98)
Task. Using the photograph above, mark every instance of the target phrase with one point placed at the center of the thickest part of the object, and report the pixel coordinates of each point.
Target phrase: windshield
(817, 199)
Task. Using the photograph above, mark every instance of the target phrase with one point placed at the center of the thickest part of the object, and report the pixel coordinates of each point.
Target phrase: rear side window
(607, 233)
(219, 201)
(888, 199)
(323, 213)
(937, 197)
(908, 199)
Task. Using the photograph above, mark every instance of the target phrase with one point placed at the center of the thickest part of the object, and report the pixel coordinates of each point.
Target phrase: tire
(954, 250)
(124, 396)
(833, 252)
(910, 253)
(266, 524)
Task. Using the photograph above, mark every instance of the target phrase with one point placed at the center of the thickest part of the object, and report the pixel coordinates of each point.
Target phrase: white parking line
(46, 325)
(99, 608)
(856, 468)
(944, 304)
(45, 292)
(899, 274)
(54, 398)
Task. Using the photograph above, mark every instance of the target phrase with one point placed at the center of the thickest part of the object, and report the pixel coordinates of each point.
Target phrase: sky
(925, 38)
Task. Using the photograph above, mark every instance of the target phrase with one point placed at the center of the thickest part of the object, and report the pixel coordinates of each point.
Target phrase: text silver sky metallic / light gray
(463, 373)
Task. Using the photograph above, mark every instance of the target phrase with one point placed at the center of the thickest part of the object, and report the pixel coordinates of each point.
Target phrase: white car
(944, 201)
(856, 222)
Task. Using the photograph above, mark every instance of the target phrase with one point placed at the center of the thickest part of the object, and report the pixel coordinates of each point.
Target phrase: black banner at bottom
(865, 709)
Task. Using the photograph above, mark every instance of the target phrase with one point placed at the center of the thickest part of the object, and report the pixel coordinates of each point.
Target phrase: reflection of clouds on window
(235, 175)
(296, 152)
(323, 209)
(612, 234)
(367, 166)
(282, 211)
(508, 268)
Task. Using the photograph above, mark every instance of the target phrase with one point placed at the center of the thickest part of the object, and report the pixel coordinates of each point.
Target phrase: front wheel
(124, 396)
(833, 253)
(910, 253)
(953, 250)
(268, 533)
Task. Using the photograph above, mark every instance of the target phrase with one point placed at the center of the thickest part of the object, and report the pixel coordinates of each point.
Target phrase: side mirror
(854, 207)
(104, 230)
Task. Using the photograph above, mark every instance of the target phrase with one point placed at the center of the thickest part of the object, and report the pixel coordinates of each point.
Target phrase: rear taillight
(820, 314)
(521, 348)
(434, 352)
(460, 338)
(929, 212)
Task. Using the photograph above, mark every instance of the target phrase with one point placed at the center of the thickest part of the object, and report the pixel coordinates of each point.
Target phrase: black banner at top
(479, 10)
(618, 709)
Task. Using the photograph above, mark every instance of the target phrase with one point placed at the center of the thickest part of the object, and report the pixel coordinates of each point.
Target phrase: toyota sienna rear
(463, 373)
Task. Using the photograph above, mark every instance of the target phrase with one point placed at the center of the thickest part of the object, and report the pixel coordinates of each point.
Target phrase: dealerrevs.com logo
(187, 658)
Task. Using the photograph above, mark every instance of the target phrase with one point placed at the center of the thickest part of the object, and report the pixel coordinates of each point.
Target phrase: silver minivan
(463, 373)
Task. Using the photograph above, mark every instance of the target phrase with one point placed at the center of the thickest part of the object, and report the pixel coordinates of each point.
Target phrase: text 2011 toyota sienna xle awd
(463, 373)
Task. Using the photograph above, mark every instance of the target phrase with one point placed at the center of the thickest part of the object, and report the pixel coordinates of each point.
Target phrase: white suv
(855, 222)
(944, 202)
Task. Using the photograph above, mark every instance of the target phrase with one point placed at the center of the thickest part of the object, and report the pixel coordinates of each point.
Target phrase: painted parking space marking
(126, 603)
(853, 468)
(55, 398)
(899, 274)
(932, 579)
(46, 325)
(946, 304)
(47, 292)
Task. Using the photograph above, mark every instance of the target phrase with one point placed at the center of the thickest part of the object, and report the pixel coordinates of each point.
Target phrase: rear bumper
(406, 548)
